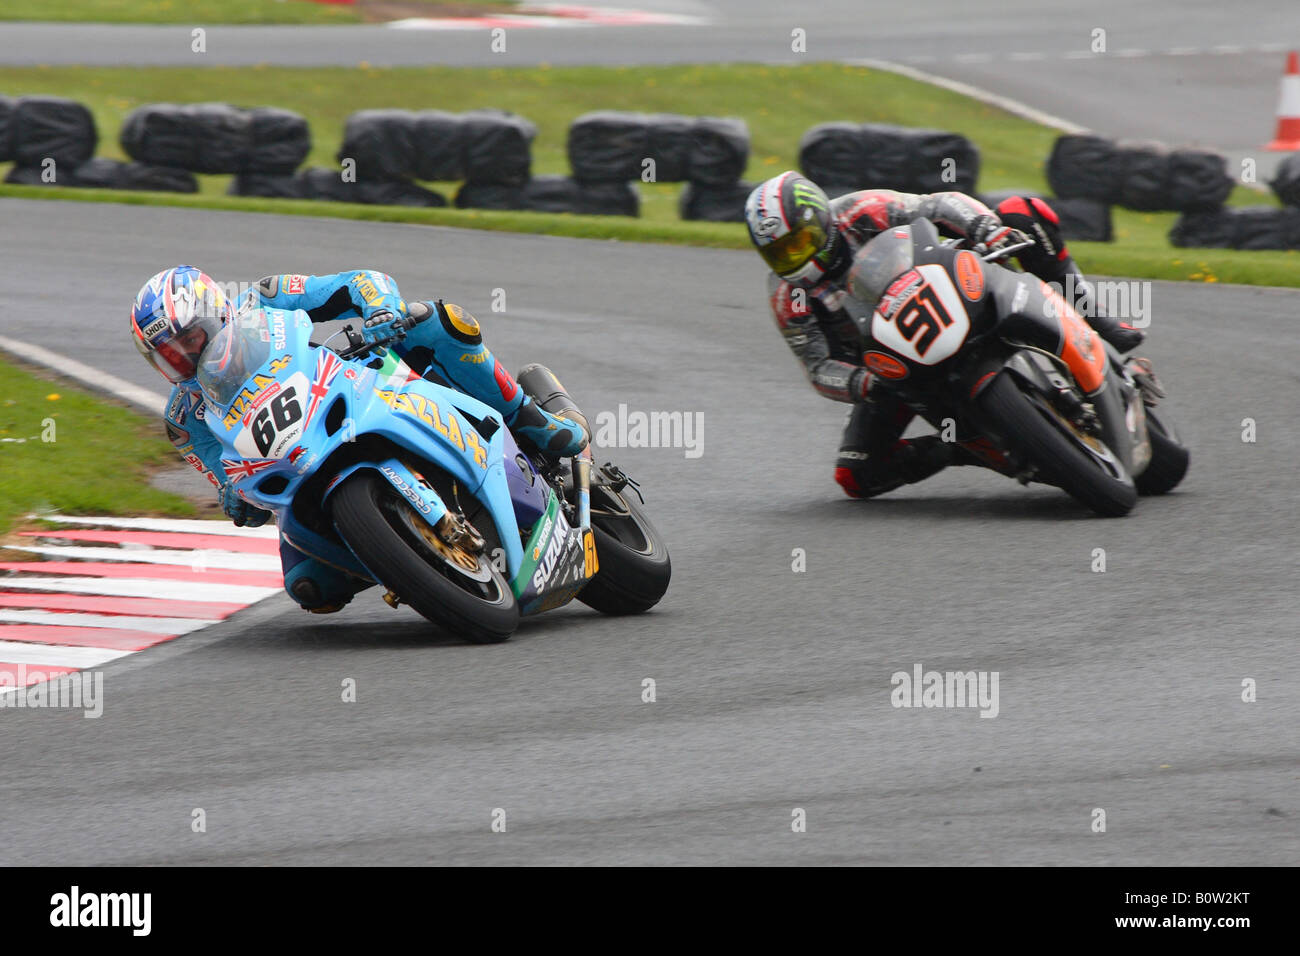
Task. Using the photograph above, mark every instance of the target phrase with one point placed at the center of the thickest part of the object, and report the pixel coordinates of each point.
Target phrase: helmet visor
(792, 251)
(178, 357)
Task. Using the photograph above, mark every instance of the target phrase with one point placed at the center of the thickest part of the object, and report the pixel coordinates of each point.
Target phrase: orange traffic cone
(1288, 108)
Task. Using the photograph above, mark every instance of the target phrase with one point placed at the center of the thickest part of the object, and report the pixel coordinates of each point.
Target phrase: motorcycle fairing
(343, 402)
(1033, 312)
(558, 560)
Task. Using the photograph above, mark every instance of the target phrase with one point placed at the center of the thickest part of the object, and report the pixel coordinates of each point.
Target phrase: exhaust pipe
(540, 383)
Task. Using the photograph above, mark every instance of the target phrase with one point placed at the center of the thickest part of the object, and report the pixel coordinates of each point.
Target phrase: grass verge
(202, 12)
(65, 450)
(717, 235)
(178, 11)
(779, 103)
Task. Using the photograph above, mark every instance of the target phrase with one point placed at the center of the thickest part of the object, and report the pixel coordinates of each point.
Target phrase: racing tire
(1169, 458)
(381, 528)
(1058, 459)
(633, 564)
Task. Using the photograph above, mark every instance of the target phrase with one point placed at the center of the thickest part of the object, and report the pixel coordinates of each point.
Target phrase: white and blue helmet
(177, 313)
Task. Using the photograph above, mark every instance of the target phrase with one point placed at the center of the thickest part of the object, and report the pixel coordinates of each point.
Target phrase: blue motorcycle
(419, 488)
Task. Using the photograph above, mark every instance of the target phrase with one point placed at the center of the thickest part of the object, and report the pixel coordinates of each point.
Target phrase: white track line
(1015, 107)
(141, 398)
(52, 655)
(1128, 53)
(502, 21)
(183, 525)
(142, 587)
(215, 560)
(119, 622)
(548, 16)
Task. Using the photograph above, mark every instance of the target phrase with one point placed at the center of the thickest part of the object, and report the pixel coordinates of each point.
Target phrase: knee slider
(846, 479)
(315, 585)
(304, 590)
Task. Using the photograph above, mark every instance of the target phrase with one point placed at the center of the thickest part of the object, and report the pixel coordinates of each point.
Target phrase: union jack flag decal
(328, 366)
(237, 469)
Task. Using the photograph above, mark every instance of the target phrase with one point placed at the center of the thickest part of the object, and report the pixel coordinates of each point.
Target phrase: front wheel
(634, 568)
(459, 592)
(1064, 456)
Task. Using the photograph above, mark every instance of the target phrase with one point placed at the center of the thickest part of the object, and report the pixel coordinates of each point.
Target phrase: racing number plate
(930, 325)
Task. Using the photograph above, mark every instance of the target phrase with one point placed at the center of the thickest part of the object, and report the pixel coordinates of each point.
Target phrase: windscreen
(239, 350)
(879, 263)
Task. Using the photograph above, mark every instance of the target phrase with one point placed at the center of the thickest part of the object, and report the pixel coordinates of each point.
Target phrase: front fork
(582, 486)
(1134, 407)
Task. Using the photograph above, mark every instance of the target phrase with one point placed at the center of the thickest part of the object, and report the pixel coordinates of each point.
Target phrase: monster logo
(807, 195)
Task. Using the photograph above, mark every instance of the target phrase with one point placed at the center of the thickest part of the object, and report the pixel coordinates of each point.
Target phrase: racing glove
(860, 386)
(243, 514)
(379, 326)
(989, 232)
(381, 312)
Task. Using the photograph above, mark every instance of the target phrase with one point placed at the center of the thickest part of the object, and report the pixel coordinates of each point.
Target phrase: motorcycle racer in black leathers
(809, 242)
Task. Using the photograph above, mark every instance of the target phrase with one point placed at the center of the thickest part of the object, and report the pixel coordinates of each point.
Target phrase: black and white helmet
(791, 226)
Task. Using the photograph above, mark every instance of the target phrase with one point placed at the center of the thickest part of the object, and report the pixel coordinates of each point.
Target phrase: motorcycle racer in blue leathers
(180, 310)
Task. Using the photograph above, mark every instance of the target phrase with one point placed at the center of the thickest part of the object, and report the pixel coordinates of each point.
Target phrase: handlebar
(1006, 251)
(357, 344)
(358, 347)
(986, 255)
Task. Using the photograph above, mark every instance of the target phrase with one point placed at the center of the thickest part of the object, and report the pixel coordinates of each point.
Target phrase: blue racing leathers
(364, 293)
(447, 344)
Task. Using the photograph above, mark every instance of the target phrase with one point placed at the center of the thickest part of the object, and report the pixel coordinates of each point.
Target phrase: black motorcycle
(1001, 362)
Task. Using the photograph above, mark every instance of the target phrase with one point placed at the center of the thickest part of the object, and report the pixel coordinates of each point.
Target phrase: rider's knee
(317, 587)
(846, 479)
(859, 482)
(458, 324)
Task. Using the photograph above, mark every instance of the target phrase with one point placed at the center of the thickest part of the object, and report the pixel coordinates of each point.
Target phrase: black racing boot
(924, 456)
(1118, 333)
(1050, 260)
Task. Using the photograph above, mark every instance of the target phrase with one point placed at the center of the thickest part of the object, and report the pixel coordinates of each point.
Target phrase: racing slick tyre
(1058, 452)
(403, 552)
(633, 565)
(1169, 458)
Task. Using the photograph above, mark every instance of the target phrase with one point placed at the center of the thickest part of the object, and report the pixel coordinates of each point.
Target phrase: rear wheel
(1062, 454)
(1169, 458)
(634, 568)
(461, 593)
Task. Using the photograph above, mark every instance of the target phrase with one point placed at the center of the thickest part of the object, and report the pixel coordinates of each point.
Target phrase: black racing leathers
(873, 456)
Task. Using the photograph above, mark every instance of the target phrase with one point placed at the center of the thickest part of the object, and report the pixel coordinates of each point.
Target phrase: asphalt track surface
(1118, 690)
(1218, 87)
